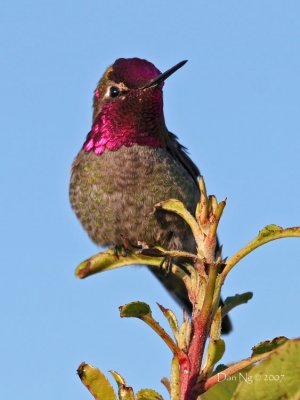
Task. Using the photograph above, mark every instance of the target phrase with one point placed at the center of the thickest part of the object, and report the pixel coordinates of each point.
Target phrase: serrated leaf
(136, 309)
(269, 229)
(96, 382)
(275, 378)
(171, 318)
(234, 301)
(148, 394)
(268, 345)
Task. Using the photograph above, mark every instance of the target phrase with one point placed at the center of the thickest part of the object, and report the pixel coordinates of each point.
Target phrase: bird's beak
(162, 77)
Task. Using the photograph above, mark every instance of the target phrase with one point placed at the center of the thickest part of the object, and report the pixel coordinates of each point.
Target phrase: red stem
(201, 321)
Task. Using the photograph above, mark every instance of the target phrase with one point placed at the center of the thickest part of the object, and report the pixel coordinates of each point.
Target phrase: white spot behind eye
(107, 92)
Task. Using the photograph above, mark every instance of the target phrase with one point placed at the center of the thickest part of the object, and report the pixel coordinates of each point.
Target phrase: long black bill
(162, 77)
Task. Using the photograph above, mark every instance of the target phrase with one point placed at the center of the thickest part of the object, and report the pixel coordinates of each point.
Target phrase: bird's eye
(114, 91)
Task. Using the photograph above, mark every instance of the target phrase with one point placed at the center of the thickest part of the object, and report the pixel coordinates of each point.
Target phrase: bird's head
(128, 106)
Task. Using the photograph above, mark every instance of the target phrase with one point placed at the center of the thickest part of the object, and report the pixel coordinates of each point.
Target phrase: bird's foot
(166, 265)
(126, 247)
(120, 250)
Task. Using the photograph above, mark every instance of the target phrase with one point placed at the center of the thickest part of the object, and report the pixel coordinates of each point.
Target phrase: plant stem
(149, 320)
(201, 320)
(260, 240)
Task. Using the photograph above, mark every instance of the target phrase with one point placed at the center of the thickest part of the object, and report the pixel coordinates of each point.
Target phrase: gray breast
(113, 196)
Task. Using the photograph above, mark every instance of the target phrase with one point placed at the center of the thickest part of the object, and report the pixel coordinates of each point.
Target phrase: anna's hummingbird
(129, 162)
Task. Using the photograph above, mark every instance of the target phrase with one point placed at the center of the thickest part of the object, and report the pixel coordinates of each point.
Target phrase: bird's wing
(179, 152)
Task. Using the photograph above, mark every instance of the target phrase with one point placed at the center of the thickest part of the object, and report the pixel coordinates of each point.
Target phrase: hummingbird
(129, 162)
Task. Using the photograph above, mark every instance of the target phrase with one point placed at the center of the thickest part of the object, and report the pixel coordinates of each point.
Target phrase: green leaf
(96, 382)
(184, 335)
(118, 378)
(136, 309)
(108, 260)
(234, 301)
(219, 350)
(220, 368)
(142, 311)
(226, 387)
(175, 379)
(275, 378)
(215, 351)
(268, 345)
(216, 326)
(148, 394)
(178, 208)
(126, 393)
(223, 390)
(171, 317)
(269, 233)
(268, 230)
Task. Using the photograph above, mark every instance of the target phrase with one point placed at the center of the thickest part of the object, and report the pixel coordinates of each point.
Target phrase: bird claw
(166, 265)
(125, 248)
(120, 250)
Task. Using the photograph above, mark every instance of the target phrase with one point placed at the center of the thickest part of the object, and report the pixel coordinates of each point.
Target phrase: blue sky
(235, 105)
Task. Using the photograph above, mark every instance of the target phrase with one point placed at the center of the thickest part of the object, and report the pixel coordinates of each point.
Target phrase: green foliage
(96, 382)
(136, 309)
(222, 391)
(148, 394)
(215, 352)
(274, 379)
(99, 386)
(269, 230)
(268, 345)
(171, 318)
(234, 301)
(277, 377)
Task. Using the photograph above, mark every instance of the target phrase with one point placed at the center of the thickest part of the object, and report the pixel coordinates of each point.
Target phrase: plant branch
(149, 320)
(201, 324)
(232, 369)
(269, 233)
